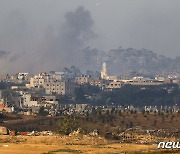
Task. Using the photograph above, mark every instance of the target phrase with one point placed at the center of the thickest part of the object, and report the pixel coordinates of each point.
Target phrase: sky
(42, 35)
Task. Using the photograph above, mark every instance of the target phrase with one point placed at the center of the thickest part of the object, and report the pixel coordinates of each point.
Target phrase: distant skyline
(40, 34)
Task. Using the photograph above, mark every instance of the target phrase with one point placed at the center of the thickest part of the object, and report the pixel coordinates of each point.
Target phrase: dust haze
(44, 35)
(55, 49)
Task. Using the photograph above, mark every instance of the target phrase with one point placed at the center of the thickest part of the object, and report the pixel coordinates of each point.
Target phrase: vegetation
(42, 112)
(64, 150)
(131, 95)
(67, 125)
(104, 121)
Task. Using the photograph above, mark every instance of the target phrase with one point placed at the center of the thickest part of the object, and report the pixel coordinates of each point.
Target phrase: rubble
(76, 132)
(94, 133)
(4, 130)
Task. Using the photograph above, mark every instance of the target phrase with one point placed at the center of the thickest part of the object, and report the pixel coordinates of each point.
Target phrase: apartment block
(81, 80)
(59, 87)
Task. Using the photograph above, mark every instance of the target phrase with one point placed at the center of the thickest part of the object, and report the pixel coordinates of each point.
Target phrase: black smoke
(3, 54)
(65, 49)
(54, 49)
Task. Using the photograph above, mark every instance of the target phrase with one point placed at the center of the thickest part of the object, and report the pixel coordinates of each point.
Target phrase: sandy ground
(80, 144)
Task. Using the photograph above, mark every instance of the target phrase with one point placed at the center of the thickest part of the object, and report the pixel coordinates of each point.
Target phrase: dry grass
(64, 144)
(104, 123)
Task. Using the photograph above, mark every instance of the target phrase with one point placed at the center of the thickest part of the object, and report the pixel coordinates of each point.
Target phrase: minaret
(104, 72)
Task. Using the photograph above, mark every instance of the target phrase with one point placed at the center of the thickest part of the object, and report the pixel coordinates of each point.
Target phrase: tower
(104, 72)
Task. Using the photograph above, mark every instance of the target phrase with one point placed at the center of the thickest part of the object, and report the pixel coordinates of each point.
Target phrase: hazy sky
(34, 30)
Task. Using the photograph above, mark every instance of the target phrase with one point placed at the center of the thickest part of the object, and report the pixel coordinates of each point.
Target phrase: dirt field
(104, 123)
(64, 144)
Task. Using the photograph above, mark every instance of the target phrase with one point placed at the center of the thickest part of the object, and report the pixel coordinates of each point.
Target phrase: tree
(163, 118)
(155, 121)
(112, 111)
(50, 123)
(131, 124)
(143, 112)
(67, 125)
(122, 122)
(79, 92)
(42, 112)
(107, 112)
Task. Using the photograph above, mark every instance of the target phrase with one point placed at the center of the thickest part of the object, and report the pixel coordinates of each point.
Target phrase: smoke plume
(50, 49)
(65, 49)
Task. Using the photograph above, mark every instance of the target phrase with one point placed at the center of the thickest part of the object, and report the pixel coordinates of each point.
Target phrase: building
(36, 82)
(39, 100)
(39, 80)
(141, 81)
(22, 76)
(26, 99)
(113, 85)
(96, 82)
(81, 80)
(2, 77)
(59, 87)
(57, 75)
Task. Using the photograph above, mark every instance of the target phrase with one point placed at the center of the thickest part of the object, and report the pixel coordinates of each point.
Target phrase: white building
(57, 75)
(22, 76)
(114, 85)
(36, 82)
(42, 78)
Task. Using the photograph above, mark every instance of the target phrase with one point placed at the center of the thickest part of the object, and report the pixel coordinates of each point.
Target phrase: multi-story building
(22, 76)
(57, 75)
(113, 85)
(59, 87)
(33, 99)
(42, 78)
(96, 82)
(36, 82)
(26, 99)
(141, 81)
(81, 80)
